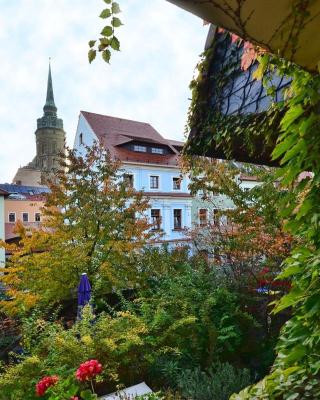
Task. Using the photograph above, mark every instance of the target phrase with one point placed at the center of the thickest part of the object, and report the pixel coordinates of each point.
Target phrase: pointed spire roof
(50, 119)
(50, 104)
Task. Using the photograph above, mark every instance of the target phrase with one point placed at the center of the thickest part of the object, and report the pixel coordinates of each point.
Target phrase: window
(177, 219)
(128, 179)
(203, 216)
(156, 150)
(156, 219)
(81, 138)
(176, 182)
(12, 217)
(25, 217)
(154, 182)
(216, 219)
(37, 217)
(142, 149)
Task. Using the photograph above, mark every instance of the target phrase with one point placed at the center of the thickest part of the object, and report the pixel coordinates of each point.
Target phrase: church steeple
(50, 105)
(49, 119)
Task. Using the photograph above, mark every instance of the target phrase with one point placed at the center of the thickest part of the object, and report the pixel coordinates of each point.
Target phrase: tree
(93, 222)
(248, 237)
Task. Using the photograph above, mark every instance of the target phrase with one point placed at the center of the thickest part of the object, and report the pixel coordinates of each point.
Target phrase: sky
(147, 81)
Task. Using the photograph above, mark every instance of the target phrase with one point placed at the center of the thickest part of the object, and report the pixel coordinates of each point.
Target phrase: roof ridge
(121, 118)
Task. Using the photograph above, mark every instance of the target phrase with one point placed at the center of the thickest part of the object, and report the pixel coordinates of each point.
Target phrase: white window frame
(15, 217)
(25, 212)
(133, 177)
(207, 216)
(160, 216)
(181, 179)
(157, 150)
(135, 146)
(81, 142)
(181, 214)
(159, 182)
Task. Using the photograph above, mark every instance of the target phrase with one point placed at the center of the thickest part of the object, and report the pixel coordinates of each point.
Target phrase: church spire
(50, 105)
(49, 118)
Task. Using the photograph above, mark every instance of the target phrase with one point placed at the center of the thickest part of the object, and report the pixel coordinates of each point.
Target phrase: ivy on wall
(242, 135)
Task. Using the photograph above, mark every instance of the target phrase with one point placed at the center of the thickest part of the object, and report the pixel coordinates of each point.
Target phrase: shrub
(218, 382)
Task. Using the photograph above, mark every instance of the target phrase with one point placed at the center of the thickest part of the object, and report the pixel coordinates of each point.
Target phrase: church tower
(50, 136)
(50, 143)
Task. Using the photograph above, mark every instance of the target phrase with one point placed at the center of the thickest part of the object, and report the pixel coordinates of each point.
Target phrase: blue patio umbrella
(84, 291)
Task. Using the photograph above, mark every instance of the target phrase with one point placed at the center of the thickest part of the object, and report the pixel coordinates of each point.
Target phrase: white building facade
(151, 164)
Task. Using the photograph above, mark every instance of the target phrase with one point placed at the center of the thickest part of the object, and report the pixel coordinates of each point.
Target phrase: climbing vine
(108, 41)
(216, 133)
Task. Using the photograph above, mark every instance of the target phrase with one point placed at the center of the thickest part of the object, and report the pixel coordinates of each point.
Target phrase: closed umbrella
(84, 292)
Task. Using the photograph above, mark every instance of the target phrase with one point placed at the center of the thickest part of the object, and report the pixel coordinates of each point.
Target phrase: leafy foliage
(108, 41)
(49, 348)
(248, 237)
(295, 374)
(219, 381)
(90, 225)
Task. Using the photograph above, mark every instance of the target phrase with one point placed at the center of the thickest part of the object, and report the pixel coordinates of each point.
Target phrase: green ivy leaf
(106, 13)
(115, 44)
(106, 55)
(115, 8)
(291, 115)
(116, 22)
(107, 31)
(92, 55)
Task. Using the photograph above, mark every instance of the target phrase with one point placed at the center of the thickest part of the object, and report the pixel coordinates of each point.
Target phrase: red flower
(74, 398)
(88, 370)
(45, 383)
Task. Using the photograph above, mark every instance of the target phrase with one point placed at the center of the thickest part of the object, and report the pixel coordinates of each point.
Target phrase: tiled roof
(10, 229)
(112, 132)
(21, 189)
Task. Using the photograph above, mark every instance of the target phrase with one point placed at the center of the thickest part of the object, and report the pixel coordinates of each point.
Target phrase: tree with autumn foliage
(93, 222)
(247, 239)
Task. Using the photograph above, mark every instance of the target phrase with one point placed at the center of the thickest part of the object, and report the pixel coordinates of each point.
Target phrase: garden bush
(218, 382)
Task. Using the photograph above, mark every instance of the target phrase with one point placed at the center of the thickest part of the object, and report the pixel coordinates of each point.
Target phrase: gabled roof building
(151, 164)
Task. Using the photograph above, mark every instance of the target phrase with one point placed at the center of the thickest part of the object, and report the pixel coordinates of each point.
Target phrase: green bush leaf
(106, 55)
(106, 13)
(107, 31)
(116, 22)
(115, 44)
(115, 8)
(92, 55)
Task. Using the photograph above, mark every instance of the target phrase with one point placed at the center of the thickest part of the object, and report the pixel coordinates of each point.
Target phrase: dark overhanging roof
(288, 28)
(240, 100)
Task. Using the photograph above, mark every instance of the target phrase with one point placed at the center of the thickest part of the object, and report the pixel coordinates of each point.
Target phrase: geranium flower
(88, 370)
(45, 383)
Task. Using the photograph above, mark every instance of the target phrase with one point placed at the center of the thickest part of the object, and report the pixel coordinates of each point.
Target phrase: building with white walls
(151, 164)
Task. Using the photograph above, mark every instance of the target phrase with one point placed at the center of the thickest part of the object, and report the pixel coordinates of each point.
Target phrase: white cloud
(147, 81)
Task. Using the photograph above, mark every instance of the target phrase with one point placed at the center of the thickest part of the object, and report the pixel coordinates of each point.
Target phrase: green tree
(93, 222)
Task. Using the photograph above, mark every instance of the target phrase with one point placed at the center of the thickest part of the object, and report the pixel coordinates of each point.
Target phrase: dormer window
(156, 150)
(140, 148)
